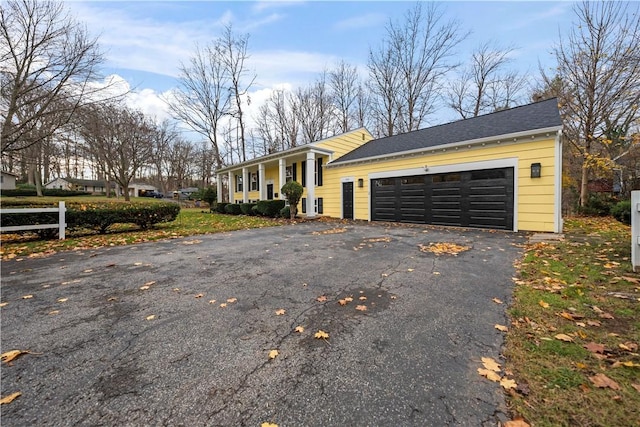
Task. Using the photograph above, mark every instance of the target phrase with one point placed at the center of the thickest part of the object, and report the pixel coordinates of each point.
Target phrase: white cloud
(360, 22)
(297, 68)
(261, 6)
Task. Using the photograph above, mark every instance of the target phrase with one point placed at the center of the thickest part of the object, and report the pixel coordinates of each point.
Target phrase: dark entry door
(269, 191)
(347, 200)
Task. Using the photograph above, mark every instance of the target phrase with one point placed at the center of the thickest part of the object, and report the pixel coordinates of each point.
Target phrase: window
(318, 173)
(238, 183)
(303, 170)
(412, 180)
(255, 181)
(449, 177)
(488, 174)
(385, 182)
(291, 173)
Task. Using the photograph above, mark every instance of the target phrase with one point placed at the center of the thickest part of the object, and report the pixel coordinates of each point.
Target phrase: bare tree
(277, 124)
(409, 69)
(314, 110)
(47, 65)
(120, 140)
(344, 85)
(234, 54)
(599, 65)
(164, 136)
(484, 85)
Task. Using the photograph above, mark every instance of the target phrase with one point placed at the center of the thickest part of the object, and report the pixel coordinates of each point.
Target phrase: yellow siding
(536, 197)
(342, 144)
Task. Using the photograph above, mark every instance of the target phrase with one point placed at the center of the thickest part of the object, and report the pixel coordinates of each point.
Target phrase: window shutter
(294, 171)
(304, 205)
(303, 170)
(319, 171)
(320, 205)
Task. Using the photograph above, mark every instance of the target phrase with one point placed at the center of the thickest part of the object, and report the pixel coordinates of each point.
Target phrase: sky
(292, 42)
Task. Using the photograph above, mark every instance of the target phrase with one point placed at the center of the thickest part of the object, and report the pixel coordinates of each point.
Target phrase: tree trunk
(38, 181)
(584, 186)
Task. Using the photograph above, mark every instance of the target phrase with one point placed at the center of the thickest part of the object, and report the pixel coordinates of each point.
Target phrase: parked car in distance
(152, 193)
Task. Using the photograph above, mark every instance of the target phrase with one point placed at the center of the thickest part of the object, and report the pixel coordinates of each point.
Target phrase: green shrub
(270, 208)
(210, 195)
(285, 212)
(254, 210)
(598, 204)
(220, 207)
(247, 208)
(293, 192)
(233, 209)
(98, 216)
(622, 211)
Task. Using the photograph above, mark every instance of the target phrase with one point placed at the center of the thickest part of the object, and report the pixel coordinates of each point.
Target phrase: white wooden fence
(61, 225)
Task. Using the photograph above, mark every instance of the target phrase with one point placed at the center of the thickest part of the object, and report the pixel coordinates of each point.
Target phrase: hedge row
(98, 216)
(28, 192)
(268, 208)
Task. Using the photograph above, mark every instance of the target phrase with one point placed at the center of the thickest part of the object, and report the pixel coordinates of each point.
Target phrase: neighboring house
(89, 185)
(263, 177)
(7, 180)
(185, 193)
(137, 189)
(500, 171)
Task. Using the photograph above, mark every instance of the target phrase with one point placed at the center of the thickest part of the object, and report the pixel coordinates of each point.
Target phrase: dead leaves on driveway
(444, 248)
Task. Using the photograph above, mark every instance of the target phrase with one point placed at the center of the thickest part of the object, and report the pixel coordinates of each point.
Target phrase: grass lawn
(190, 221)
(572, 345)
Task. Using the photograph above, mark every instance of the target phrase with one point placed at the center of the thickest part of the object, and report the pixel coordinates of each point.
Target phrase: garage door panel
(482, 198)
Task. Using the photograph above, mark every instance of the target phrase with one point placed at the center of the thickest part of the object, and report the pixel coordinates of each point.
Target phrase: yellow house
(500, 171)
(263, 177)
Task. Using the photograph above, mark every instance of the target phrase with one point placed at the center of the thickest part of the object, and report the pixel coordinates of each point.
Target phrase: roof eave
(470, 142)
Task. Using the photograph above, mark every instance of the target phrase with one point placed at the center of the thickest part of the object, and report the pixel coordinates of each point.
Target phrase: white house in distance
(136, 189)
(8, 180)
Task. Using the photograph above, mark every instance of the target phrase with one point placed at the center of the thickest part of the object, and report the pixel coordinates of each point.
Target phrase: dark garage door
(480, 198)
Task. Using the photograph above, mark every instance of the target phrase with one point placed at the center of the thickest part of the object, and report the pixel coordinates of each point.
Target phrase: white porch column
(219, 187)
(245, 185)
(282, 168)
(311, 186)
(262, 181)
(231, 186)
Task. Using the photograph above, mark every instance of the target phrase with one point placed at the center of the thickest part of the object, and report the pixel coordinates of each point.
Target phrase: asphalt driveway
(179, 332)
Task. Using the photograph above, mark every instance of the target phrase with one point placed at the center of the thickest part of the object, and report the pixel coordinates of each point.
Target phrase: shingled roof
(531, 117)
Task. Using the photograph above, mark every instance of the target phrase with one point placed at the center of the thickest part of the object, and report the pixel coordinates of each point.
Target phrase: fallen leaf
(10, 398)
(606, 316)
(342, 301)
(594, 347)
(516, 422)
(9, 356)
(490, 364)
(321, 298)
(268, 425)
(628, 364)
(151, 317)
(112, 299)
(54, 312)
(497, 301)
(144, 288)
(593, 323)
(273, 354)
(361, 307)
(223, 305)
(299, 329)
(444, 248)
(362, 298)
(501, 328)
(409, 270)
(137, 263)
(62, 299)
(581, 365)
(567, 316)
(602, 381)
(151, 283)
(27, 297)
(348, 299)
(636, 386)
(489, 374)
(321, 335)
(563, 337)
(232, 300)
(176, 289)
(628, 346)
(88, 270)
(199, 295)
(212, 301)
(3, 304)
(543, 304)
(280, 312)
(508, 383)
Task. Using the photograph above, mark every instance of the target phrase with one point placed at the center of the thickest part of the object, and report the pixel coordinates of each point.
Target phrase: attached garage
(499, 171)
(478, 198)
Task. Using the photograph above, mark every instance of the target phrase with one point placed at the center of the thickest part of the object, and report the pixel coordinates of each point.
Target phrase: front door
(269, 191)
(347, 200)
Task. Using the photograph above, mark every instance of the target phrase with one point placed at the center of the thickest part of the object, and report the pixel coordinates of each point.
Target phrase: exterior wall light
(536, 170)
(360, 182)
